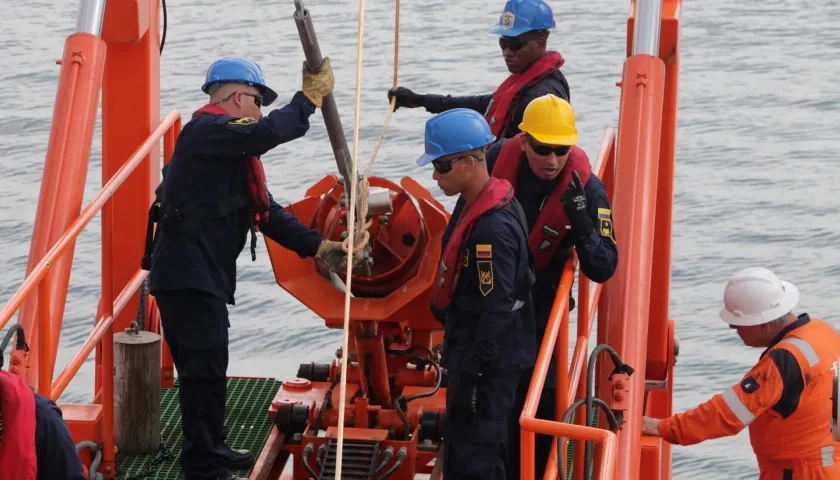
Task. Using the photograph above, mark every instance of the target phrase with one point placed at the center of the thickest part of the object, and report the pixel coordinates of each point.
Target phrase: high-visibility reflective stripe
(737, 406)
(806, 349)
(827, 455)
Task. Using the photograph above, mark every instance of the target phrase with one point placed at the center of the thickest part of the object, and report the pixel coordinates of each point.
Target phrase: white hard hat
(755, 296)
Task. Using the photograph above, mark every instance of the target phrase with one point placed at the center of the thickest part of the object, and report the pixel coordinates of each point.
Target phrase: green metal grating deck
(245, 416)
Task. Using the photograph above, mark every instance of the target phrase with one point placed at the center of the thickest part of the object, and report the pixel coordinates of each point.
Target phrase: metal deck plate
(245, 416)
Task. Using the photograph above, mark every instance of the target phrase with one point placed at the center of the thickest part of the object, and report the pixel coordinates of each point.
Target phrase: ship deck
(246, 417)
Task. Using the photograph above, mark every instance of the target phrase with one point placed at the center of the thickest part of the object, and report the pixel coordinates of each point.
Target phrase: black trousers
(477, 451)
(195, 325)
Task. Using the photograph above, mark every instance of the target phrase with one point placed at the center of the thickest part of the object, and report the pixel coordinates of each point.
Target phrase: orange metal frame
(125, 58)
(637, 166)
(638, 169)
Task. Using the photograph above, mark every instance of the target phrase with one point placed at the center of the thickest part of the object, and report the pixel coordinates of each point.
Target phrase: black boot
(230, 476)
(240, 459)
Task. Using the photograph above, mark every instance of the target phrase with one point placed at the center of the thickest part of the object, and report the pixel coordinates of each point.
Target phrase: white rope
(359, 235)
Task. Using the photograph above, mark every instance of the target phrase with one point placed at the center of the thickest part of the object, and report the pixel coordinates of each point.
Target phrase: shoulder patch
(604, 213)
(243, 121)
(605, 226)
(485, 276)
(484, 251)
(749, 385)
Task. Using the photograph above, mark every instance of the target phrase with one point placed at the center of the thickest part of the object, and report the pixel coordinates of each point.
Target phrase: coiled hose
(590, 400)
(97, 458)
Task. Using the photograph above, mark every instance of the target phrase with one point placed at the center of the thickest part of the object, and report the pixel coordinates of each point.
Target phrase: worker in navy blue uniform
(213, 192)
(523, 32)
(567, 208)
(35, 443)
(481, 296)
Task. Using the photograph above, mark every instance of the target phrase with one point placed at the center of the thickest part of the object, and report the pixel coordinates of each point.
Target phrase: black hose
(402, 453)
(20, 341)
(165, 25)
(386, 457)
(561, 463)
(619, 367)
(419, 361)
(304, 458)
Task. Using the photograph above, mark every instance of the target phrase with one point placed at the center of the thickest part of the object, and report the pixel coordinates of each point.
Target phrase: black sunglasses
(512, 43)
(445, 166)
(546, 150)
(257, 98)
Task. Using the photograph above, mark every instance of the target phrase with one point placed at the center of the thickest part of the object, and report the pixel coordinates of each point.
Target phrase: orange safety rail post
(669, 53)
(635, 318)
(102, 334)
(556, 340)
(63, 185)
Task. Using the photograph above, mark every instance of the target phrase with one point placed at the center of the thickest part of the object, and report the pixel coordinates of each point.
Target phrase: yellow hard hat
(550, 120)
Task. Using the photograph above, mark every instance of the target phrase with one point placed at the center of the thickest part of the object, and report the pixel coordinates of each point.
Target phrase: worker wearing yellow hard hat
(785, 399)
(567, 208)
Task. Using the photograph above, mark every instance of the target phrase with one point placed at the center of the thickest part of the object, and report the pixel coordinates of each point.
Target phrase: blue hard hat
(455, 131)
(240, 70)
(520, 16)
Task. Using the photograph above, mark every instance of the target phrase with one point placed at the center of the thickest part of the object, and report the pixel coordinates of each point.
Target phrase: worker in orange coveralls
(785, 399)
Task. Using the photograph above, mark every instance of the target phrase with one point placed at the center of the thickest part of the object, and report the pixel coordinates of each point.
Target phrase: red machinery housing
(395, 397)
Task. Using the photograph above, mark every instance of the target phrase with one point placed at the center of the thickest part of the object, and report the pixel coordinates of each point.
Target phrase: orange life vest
(18, 459)
(500, 113)
(496, 195)
(550, 229)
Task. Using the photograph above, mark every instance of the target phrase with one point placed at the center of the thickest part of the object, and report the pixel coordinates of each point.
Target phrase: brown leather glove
(318, 85)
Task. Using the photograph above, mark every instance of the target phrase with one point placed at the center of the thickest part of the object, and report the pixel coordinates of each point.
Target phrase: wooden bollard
(137, 391)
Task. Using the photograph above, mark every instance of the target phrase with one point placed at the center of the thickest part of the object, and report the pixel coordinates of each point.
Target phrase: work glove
(406, 98)
(574, 204)
(462, 410)
(333, 255)
(317, 85)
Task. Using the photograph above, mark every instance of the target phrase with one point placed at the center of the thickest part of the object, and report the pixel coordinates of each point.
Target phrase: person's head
(523, 27)
(758, 305)
(455, 143)
(548, 135)
(237, 85)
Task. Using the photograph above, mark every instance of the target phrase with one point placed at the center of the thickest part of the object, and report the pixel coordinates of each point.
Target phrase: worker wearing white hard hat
(785, 399)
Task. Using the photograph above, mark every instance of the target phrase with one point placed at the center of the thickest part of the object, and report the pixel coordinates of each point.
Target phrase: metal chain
(163, 454)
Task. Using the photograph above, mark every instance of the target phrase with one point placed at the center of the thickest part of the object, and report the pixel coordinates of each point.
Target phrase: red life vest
(495, 195)
(256, 175)
(550, 228)
(500, 113)
(18, 459)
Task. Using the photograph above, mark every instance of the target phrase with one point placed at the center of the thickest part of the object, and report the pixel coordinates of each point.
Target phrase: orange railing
(556, 340)
(109, 307)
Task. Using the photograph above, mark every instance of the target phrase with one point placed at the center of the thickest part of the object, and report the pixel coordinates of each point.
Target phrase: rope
(359, 235)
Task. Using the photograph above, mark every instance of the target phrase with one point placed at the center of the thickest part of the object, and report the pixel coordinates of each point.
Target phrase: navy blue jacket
(555, 84)
(57, 457)
(208, 167)
(490, 323)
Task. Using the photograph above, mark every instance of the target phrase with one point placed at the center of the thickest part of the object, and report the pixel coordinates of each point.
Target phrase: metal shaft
(89, 19)
(332, 120)
(647, 28)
